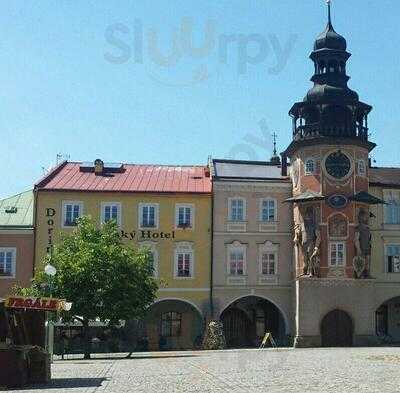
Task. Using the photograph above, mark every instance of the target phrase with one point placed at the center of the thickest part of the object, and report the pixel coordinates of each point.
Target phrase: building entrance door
(337, 329)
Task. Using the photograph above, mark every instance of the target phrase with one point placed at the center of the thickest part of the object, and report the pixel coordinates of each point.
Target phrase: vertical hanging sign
(50, 214)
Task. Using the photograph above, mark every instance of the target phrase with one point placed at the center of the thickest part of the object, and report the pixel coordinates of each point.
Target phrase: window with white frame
(237, 209)
(236, 259)
(151, 247)
(268, 257)
(310, 166)
(361, 168)
(268, 210)
(392, 256)
(111, 211)
(71, 212)
(392, 208)
(184, 216)
(7, 262)
(268, 263)
(184, 261)
(337, 254)
(148, 215)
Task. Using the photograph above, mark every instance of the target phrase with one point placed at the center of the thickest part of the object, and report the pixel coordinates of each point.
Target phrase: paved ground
(282, 370)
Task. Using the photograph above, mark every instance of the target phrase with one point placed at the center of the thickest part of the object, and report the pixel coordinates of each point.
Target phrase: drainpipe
(35, 214)
(212, 254)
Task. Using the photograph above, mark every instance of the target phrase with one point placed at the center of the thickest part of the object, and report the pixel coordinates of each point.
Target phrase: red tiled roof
(133, 178)
(384, 176)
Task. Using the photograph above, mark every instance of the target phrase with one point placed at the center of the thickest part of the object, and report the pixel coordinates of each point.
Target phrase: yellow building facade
(165, 209)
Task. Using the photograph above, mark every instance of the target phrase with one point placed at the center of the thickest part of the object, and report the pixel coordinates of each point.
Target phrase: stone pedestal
(315, 298)
(307, 341)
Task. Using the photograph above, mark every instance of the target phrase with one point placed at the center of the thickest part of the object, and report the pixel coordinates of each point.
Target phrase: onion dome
(329, 39)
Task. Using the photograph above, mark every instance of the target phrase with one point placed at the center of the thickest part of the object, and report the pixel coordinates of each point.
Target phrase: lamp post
(50, 271)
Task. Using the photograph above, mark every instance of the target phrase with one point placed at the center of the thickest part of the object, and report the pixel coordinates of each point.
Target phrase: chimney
(98, 167)
(284, 165)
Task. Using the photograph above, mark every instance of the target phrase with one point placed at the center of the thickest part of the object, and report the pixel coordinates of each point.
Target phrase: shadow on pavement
(68, 383)
(132, 357)
(160, 357)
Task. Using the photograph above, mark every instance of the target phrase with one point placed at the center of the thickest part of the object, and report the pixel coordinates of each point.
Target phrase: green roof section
(17, 211)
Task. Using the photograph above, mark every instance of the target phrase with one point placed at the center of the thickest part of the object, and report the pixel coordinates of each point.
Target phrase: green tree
(103, 278)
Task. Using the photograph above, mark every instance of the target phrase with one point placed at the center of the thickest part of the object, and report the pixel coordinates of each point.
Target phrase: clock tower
(329, 164)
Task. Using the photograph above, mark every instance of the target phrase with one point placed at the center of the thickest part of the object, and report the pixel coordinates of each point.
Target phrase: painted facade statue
(308, 240)
(362, 243)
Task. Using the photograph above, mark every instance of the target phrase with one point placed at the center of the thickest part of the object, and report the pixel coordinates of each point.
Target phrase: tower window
(361, 170)
(322, 67)
(337, 254)
(333, 66)
(310, 166)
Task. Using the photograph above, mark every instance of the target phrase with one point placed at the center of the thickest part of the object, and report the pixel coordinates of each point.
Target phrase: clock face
(337, 165)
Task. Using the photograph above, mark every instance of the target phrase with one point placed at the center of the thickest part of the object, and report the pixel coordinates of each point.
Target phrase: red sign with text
(32, 303)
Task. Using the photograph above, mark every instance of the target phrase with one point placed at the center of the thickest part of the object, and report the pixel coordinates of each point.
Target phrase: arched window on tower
(309, 167)
(322, 67)
(312, 115)
(333, 66)
(337, 120)
(342, 67)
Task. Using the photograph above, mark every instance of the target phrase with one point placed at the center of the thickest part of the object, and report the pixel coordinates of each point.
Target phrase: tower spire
(274, 138)
(275, 158)
(329, 3)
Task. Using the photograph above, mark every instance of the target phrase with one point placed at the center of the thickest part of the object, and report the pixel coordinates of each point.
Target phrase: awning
(308, 196)
(365, 197)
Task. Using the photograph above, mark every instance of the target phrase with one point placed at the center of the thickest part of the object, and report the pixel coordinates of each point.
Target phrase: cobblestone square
(271, 370)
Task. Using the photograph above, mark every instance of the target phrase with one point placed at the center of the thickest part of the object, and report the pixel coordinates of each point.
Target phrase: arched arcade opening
(387, 321)
(170, 324)
(247, 319)
(337, 329)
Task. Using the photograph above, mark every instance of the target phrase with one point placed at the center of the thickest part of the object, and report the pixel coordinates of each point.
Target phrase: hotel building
(164, 208)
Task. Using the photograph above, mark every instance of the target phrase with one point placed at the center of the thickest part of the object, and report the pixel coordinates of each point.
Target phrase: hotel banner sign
(35, 303)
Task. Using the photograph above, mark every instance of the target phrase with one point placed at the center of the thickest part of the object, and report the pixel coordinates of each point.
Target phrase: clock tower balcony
(315, 130)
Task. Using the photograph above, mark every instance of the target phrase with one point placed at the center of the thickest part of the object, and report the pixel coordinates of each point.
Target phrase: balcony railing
(317, 129)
